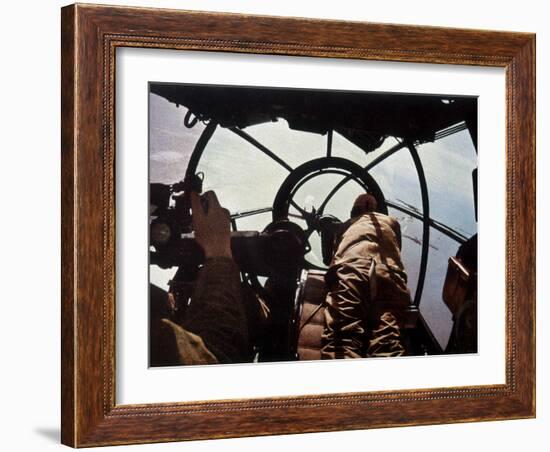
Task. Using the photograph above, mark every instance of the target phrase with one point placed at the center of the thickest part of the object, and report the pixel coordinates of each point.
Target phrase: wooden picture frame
(90, 36)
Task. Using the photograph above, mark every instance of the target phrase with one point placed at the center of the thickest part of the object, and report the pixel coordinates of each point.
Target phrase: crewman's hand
(212, 227)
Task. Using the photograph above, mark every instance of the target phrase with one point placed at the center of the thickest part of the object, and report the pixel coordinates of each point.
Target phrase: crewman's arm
(215, 327)
(216, 313)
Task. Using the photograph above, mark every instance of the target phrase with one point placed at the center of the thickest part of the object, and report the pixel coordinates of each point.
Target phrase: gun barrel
(261, 253)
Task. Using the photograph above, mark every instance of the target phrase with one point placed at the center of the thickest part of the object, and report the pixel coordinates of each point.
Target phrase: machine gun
(277, 250)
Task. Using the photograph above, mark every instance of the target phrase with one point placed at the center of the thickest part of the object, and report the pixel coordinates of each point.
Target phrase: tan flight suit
(368, 292)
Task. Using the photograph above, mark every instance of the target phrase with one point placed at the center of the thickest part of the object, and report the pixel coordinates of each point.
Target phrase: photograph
(294, 224)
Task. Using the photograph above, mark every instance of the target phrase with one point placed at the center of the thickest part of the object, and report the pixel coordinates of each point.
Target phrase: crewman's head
(363, 204)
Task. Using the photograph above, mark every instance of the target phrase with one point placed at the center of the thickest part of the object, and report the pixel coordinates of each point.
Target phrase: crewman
(368, 298)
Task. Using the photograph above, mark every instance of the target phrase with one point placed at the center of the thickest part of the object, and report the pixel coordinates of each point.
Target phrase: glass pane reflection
(242, 176)
(398, 179)
(432, 307)
(170, 142)
(448, 164)
(294, 147)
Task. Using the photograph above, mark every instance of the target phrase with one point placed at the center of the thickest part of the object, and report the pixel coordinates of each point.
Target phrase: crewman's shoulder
(373, 221)
(392, 220)
(387, 222)
(384, 218)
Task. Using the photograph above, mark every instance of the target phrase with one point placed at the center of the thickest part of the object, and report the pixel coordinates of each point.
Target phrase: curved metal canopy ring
(318, 167)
